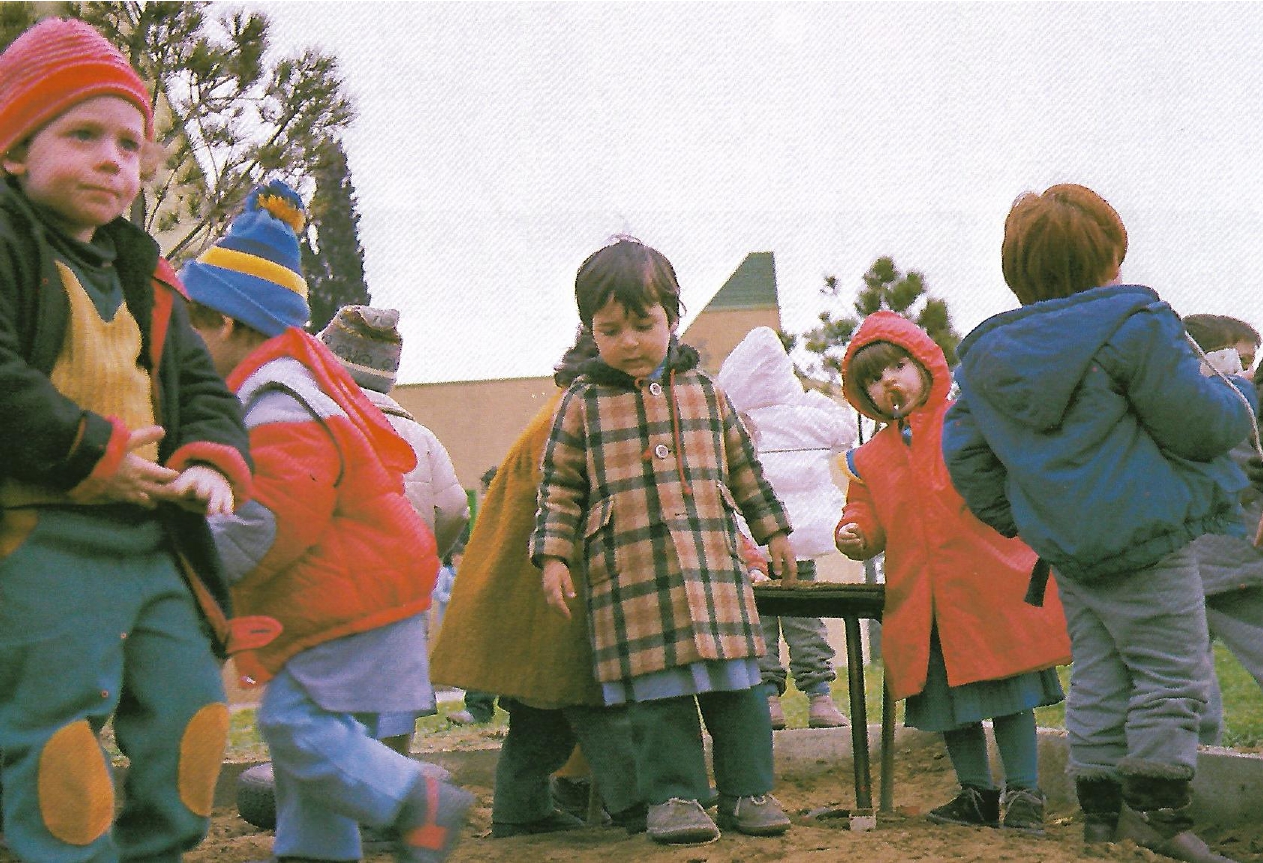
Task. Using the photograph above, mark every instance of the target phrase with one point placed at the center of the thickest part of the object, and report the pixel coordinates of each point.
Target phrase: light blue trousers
(1138, 686)
(331, 775)
(806, 641)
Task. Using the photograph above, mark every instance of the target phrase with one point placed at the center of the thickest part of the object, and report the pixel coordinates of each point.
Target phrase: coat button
(655, 389)
(661, 450)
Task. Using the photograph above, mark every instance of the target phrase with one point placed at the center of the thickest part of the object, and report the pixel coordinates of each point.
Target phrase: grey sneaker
(1023, 810)
(761, 815)
(680, 822)
(823, 713)
(778, 713)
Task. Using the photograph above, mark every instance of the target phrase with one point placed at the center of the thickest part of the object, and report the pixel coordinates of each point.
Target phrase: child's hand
(850, 540)
(558, 588)
(781, 559)
(137, 480)
(201, 488)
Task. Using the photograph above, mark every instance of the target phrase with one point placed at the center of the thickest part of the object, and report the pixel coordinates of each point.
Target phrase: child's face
(1246, 350)
(84, 166)
(899, 389)
(631, 343)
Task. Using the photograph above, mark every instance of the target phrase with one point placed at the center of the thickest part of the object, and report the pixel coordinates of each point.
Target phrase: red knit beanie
(55, 65)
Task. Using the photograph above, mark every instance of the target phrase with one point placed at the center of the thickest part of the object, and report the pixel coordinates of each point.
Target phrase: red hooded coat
(943, 565)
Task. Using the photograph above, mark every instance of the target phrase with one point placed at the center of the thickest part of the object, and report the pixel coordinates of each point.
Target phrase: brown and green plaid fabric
(646, 496)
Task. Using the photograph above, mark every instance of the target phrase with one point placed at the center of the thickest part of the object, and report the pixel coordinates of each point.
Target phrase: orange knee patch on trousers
(76, 793)
(201, 755)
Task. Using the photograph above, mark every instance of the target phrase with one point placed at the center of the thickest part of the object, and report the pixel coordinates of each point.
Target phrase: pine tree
(333, 259)
(885, 287)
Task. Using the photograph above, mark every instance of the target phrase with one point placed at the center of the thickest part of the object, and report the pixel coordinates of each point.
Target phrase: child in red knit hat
(117, 439)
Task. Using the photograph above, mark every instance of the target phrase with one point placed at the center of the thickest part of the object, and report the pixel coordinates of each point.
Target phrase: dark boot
(1157, 817)
(1101, 799)
(973, 806)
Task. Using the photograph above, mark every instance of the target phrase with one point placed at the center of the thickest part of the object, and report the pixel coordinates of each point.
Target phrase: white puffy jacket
(796, 432)
(431, 487)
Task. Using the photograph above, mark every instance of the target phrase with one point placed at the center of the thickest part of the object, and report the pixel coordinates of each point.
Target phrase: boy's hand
(137, 480)
(781, 559)
(850, 540)
(558, 588)
(201, 488)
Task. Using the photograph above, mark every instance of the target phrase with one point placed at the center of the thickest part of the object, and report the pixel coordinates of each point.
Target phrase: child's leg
(172, 722)
(742, 736)
(1018, 741)
(346, 777)
(667, 740)
(66, 611)
(967, 748)
(771, 671)
(538, 742)
(1236, 619)
(605, 736)
(810, 654)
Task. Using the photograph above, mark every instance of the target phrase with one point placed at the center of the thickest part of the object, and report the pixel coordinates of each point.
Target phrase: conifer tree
(333, 259)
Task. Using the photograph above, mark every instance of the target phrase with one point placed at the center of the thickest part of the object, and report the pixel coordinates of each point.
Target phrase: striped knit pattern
(55, 65)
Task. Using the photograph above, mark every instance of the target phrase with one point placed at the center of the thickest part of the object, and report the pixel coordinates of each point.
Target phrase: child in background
(443, 585)
(958, 642)
(118, 439)
(1086, 427)
(1231, 566)
(795, 434)
(368, 344)
(645, 466)
(331, 547)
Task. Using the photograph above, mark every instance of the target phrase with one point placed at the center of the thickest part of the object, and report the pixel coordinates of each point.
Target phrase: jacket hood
(1027, 363)
(758, 373)
(889, 327)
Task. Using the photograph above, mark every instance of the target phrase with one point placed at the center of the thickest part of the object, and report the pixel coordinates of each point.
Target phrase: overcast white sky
(499, 144)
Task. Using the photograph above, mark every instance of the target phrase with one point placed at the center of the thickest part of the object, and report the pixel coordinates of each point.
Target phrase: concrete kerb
(1228, 789)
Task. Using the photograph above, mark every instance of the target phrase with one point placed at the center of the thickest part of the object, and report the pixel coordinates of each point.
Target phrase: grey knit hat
(367, 342)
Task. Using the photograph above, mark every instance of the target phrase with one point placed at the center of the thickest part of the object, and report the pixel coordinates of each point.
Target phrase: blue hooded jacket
(1085, 426)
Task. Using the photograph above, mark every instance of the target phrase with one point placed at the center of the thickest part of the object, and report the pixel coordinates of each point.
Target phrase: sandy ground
(923, 780)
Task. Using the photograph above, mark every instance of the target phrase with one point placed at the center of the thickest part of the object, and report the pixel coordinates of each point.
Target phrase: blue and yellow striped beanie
(254, 274)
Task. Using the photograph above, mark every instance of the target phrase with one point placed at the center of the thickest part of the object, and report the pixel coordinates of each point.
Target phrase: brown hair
(868, 363)
(630, 272)
(1060, 243)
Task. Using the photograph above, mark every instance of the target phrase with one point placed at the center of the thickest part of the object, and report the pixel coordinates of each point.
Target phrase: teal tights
(1015, 738)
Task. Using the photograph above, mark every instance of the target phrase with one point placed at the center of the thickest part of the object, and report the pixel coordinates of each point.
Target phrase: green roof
(751, 286)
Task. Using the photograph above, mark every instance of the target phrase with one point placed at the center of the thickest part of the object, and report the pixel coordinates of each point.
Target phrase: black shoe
(1101, 799)
(572, 795)
(553, 822)
(972, 807)
(633, 819)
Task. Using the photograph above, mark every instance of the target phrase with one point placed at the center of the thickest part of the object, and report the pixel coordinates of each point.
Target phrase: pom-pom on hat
(367, 342)
(254, 274)
(55, 65)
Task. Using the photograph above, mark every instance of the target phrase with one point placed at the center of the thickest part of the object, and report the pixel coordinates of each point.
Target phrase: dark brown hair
(1060, 243)
(630, 272)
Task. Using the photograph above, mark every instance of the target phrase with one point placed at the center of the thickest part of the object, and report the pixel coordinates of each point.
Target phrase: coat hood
(758, 373)
(889, 327)
(1027, 363)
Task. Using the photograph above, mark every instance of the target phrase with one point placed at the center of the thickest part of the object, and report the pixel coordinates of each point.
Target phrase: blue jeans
(331, 775)
(1138, 686)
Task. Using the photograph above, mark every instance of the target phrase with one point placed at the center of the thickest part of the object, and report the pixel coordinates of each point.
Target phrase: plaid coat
(641, 482)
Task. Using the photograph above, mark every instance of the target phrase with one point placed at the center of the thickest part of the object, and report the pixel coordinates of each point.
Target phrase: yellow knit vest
(97, 369)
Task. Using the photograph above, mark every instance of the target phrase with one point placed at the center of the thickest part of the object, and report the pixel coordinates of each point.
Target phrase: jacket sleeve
(297, 466)
(859, 509)
(978, 475)
(451, 504)
(563, 488)
(45, 437)
(1186, 413)
(764, 513)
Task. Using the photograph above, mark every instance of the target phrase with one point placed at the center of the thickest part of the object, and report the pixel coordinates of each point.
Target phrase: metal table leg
(859, 714)
(887, 750)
